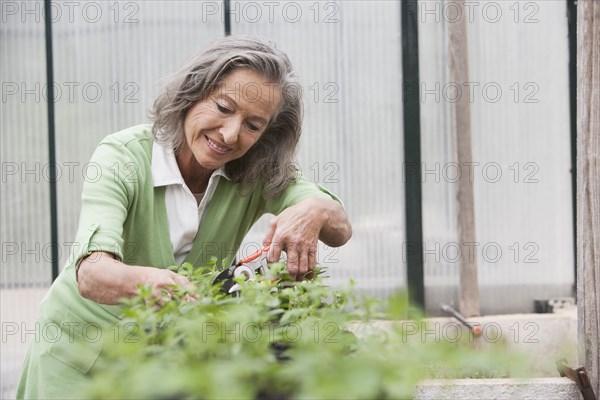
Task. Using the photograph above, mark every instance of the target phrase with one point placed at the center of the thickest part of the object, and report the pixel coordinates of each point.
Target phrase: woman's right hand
(163, 281)
(104, 279)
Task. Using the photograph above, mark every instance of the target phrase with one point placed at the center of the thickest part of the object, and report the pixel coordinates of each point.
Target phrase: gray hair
(270, 160)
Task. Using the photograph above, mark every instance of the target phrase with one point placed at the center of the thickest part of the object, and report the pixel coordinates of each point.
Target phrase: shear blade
(235, 288)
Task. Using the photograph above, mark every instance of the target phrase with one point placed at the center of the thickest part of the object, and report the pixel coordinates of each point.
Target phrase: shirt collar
(165, 170)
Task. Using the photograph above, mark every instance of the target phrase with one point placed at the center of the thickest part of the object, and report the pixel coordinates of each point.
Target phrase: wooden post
(461, 128)
(588, 186)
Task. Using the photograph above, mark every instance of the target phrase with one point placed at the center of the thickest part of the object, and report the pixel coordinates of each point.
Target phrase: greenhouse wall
(110, 60)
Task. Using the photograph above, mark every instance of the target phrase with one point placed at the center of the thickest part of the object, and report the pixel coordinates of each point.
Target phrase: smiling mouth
(216, 146)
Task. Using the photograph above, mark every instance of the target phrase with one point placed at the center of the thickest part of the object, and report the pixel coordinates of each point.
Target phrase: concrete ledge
(543, 338)
(498, 389)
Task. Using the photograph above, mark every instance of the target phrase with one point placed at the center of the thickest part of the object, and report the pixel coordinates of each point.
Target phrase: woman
(218, 156)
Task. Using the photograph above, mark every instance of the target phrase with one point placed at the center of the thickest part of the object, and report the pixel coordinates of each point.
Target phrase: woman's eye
(222, 108)
(254, 128)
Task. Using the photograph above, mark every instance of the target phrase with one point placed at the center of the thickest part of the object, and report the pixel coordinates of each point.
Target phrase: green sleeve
(106, 196)
(297, 190)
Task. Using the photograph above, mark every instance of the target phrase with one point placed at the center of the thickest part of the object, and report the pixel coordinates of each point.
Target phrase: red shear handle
(253, 256)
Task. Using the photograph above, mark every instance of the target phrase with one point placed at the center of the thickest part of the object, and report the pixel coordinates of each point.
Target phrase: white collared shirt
(184, 212)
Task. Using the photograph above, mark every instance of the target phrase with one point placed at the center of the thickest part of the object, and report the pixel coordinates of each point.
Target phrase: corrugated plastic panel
(348, 55)
(25, 227)
(111, 59)
(518, 61)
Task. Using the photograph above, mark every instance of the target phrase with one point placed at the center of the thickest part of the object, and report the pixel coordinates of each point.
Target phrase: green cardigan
(124, 214)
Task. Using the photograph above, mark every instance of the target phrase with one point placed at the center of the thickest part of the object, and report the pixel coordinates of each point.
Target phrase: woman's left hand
(297, 229)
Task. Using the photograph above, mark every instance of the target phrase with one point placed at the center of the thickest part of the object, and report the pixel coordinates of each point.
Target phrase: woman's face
(223, 127)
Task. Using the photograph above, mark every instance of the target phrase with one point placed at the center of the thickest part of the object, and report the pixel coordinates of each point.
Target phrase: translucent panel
(111, 59)
(348, 55)
(518, 61)
(25, 174)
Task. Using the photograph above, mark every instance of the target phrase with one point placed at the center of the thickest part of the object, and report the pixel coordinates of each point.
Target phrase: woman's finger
(181, 280)
(302, 264)
(190, 298)
(292, 260)
(274, 254)
(312, 260)
(270, 232)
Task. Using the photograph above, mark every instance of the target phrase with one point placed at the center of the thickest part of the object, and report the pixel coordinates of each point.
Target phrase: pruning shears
(239, 270)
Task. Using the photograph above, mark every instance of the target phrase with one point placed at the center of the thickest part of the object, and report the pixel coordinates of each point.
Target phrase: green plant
(278, 340)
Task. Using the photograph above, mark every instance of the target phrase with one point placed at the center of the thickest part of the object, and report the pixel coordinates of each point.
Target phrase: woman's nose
(231, 130)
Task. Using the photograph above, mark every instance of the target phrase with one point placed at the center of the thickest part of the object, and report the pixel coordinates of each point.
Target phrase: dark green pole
(51, 139)
(572, 24)
(227, 16)
(412, 151)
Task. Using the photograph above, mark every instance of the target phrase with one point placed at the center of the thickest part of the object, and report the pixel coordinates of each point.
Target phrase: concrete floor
(18, 313)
